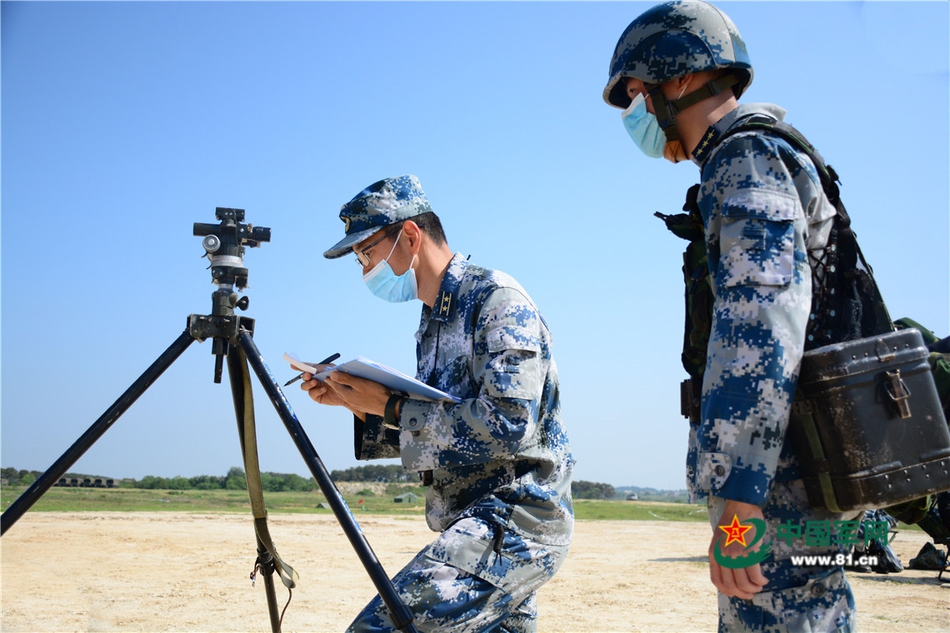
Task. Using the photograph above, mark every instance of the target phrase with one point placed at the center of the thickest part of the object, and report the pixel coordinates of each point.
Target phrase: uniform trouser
(797, 598)
(473, 578)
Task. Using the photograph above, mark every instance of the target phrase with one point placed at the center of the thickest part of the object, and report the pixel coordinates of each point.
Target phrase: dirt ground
(178, 572)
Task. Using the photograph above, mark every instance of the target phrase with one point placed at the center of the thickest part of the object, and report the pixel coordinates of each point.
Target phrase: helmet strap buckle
(665, 111)
(711, 89)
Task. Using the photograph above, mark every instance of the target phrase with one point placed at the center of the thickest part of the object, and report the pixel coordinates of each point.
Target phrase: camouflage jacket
(766, 218)
(501, 454)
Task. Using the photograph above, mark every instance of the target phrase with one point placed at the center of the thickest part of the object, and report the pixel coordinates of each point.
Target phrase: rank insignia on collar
(707, 143)
(443, 304)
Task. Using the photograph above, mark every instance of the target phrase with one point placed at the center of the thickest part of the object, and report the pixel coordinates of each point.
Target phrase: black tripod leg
(45, 481)
(398, 612)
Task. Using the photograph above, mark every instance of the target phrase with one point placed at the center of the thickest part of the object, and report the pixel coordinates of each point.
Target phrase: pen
(328, 359)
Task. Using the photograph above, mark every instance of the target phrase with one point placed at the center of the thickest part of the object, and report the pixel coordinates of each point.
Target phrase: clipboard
(388, 377)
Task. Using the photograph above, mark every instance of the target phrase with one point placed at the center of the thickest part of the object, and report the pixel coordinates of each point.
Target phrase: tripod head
(224, 247)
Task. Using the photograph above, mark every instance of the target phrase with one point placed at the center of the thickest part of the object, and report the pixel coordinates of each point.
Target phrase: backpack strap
(849, 267)
(758, 122)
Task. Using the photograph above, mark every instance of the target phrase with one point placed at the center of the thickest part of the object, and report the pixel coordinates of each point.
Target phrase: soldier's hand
(743, 582)
(320, 392)
(358, 394)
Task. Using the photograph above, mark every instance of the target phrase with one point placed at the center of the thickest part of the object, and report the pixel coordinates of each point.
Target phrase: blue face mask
(384, 283)
(643, 128)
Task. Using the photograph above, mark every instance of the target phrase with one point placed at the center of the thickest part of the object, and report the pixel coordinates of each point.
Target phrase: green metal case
(867, 425)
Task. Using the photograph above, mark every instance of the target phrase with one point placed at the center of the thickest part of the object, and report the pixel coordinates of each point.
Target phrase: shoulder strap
(826, 173)
(247, 430)
(847, 240)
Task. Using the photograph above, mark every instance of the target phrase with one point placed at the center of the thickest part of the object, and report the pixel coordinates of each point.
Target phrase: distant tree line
(591, 490)
(16, 477)
(391, 474)
(288, 482)
(235, 479)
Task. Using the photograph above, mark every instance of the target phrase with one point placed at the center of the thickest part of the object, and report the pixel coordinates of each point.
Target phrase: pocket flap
(759, 204)
(513, 338)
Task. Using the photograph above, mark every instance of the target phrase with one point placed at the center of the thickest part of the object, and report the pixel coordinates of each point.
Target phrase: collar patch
(444, 305)
(706, 144)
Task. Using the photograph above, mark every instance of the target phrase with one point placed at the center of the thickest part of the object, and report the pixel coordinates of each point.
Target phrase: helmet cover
(672, 40)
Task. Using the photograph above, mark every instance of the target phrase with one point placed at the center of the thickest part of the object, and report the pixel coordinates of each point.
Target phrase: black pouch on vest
(867, 424)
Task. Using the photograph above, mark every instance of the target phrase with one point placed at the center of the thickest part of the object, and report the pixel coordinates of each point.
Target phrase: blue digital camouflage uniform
(766, 219)
(499, 460)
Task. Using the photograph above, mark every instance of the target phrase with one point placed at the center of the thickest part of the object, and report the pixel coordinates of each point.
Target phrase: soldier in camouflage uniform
(677, 73)
(497, 463)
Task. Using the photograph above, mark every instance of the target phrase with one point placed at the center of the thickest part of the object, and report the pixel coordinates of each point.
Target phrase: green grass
(236, 501)
(616, 510)
(196, 501)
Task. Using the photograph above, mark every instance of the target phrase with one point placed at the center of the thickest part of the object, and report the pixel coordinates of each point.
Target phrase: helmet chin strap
(667, 110)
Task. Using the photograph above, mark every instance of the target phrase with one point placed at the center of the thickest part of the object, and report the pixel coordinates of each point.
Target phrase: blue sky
(125, 123)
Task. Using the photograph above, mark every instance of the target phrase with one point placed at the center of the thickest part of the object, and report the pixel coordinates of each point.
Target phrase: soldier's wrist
(391, 415)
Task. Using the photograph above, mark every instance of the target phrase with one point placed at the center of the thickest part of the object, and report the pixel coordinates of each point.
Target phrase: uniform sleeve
(756, 239)
(372, 440)
(508, 371)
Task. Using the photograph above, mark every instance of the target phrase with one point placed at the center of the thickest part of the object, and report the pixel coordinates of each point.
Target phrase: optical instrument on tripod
(232, 338)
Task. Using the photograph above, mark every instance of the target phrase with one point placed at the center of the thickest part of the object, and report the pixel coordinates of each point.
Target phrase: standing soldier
(677, 73)
(497, 462)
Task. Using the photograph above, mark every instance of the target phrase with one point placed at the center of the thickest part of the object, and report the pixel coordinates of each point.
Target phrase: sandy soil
(177, 572)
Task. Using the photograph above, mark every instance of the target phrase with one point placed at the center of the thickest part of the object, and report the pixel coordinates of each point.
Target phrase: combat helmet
(674, 39)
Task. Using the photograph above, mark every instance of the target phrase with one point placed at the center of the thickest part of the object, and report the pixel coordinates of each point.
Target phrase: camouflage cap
(382, 203)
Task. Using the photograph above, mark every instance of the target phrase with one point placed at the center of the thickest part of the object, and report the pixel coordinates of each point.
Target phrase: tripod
(232, 337)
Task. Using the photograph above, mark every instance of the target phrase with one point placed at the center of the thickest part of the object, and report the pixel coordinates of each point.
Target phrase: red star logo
(735, 532)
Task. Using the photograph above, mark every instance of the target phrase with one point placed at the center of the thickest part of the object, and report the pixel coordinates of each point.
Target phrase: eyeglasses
(362, 258)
